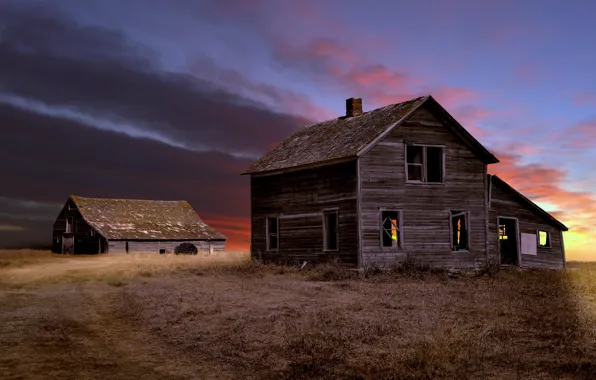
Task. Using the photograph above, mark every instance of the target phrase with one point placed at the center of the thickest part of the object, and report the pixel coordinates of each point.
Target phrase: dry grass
(172, 317)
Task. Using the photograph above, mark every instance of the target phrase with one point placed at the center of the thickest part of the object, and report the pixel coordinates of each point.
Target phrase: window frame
(548, 239)
(467, 221)
(424, 164)
(268, 234)
(324, 212)
(400, 235)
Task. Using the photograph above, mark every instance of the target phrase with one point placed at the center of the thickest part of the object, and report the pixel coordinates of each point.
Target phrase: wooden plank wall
(507, 204)
(138, 246)
(426, 207)
(294, 194)
(84, 243)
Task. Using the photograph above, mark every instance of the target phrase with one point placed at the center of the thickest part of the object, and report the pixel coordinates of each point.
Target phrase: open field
(194, 317)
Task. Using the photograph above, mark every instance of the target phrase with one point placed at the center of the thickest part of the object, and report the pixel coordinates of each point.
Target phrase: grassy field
(195, 317)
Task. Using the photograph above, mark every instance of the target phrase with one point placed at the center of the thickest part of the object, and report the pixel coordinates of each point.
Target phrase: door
(68, 244)
(507, 235)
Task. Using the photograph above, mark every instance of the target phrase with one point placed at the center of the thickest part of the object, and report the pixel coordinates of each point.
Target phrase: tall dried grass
(200, 317)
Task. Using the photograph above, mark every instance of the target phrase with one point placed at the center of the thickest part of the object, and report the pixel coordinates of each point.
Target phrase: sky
(172, 99)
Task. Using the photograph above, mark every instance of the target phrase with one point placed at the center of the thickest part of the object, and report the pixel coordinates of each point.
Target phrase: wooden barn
(402, 181)
(100, 225)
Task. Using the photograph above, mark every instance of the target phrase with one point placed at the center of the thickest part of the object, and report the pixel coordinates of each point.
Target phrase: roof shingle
(333, 139)
(144, 219)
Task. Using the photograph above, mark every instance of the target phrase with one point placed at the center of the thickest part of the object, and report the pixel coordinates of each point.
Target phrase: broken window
(390, 229)
(331, 230)
(544, 239)
(459, 231)
(272, 234)
(424, 163)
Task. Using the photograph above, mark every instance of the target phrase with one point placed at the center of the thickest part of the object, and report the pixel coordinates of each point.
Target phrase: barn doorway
(68, 244)
(508, 241)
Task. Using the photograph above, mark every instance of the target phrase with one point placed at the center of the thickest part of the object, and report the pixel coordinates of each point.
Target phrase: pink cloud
(327, 47)
(528, 73)
(453, 96)
(581, 136)
(584, 98)
(544, 184)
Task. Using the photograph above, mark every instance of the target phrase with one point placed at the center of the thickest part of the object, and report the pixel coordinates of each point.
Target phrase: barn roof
(499, 182)
(349, 137)
(144, 219)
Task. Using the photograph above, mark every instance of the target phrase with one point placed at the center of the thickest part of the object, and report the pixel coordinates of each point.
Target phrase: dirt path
(74, 333)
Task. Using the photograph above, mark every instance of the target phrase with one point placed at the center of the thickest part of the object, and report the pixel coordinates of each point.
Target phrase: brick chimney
(353, 107)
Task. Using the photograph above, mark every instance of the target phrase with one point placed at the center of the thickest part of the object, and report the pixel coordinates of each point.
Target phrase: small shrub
(186, 249)
(491, 267)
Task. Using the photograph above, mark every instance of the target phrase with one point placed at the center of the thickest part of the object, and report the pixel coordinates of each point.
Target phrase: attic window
(69, 222)
(424, 164)
(459, 231)
(544, 239)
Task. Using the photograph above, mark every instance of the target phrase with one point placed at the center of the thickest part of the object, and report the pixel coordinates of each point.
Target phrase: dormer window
(424, 164)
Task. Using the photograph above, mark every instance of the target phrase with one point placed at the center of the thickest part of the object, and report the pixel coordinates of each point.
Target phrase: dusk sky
(172, 99)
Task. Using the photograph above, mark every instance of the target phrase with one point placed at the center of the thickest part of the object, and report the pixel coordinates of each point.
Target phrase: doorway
(508, 241)
(68, 244)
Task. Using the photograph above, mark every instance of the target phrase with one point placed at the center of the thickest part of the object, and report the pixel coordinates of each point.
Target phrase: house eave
(316, 164)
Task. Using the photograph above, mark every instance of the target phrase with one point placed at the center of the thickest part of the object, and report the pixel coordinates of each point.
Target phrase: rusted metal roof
(133, 219)
(345, 137)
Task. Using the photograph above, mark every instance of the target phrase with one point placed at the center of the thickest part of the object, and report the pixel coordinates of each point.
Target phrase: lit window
(459, 231)
(390, 229)
(544, 239)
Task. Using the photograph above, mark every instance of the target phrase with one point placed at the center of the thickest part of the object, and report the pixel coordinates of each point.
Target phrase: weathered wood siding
(299, 198)
(84, 242)
(140, 246)
(425, 207)
(505, 203)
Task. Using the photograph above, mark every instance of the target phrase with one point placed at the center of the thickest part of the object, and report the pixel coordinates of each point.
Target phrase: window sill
(461, 250)
(425, 183)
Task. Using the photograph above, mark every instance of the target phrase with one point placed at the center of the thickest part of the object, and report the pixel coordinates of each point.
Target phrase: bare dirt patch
(179, 319)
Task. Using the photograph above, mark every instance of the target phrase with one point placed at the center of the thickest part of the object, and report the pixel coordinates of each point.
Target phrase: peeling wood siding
(426, 207)
(506, 204)
(306, 192)
(135, 246)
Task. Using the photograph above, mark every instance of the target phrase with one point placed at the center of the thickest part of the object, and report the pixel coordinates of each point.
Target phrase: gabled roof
(144, 219)
(499, 182)
(349, 137)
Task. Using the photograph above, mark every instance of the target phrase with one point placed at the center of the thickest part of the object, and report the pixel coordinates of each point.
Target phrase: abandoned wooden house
(100, 225)
(402, 181)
